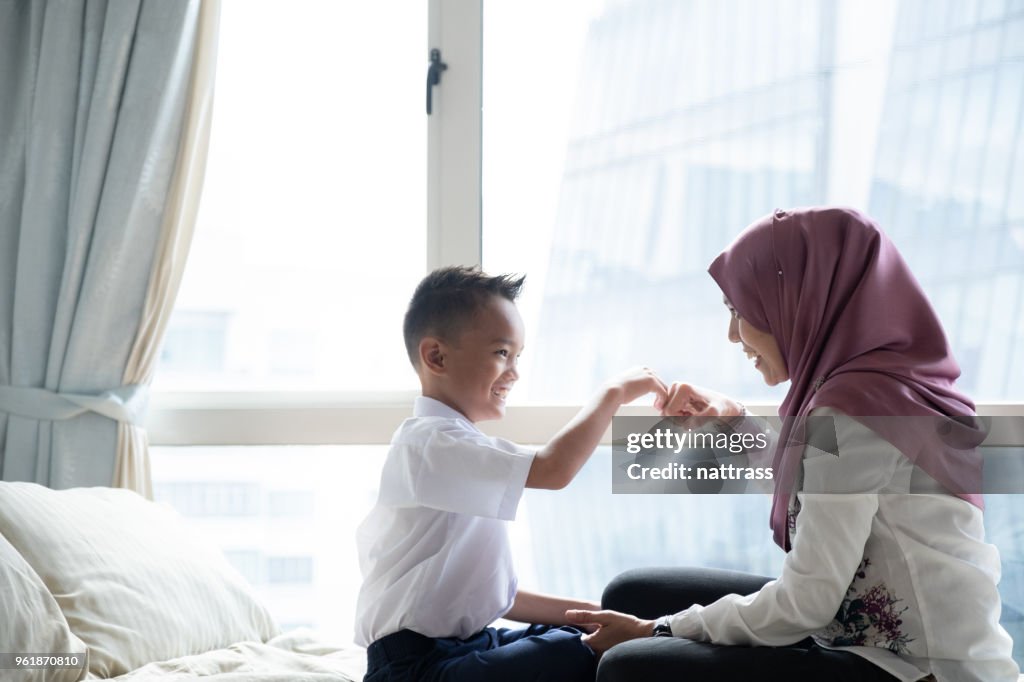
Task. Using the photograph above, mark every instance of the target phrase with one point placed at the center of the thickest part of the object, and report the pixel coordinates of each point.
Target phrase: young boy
(434, 551)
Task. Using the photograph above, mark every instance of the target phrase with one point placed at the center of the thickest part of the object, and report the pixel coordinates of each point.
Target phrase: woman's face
(759, 346)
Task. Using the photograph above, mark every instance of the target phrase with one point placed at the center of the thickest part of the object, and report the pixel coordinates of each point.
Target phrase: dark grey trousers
(654, 592)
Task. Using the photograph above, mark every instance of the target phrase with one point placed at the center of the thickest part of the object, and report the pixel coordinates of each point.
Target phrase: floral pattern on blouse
(869, 616)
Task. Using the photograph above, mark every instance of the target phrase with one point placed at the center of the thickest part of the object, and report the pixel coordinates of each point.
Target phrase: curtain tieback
(124, 404)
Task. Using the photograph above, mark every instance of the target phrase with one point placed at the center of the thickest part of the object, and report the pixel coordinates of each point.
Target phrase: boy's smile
(480, 367)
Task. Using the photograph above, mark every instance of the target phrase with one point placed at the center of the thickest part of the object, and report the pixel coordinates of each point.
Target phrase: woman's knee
(619, 664)
(622, 591)
(654, 592)
(648, 592)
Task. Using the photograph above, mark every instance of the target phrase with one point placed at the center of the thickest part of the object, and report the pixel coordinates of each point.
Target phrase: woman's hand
(612, 628)
(687, 400)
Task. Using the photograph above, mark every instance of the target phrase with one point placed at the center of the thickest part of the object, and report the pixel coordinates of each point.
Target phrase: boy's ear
(433, 355)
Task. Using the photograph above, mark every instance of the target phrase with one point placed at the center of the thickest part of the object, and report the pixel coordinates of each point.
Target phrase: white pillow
(133, 583)
(32, 623)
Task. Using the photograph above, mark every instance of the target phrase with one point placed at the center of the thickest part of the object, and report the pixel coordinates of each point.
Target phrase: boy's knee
(561, 657)
(574, 660)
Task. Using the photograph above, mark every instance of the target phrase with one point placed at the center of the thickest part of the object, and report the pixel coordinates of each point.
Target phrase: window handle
(434, 76)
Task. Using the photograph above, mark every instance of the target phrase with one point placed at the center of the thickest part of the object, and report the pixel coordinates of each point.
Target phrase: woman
(877, 584)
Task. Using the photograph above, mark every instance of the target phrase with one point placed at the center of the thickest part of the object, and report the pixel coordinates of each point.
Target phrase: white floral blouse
(904, 580)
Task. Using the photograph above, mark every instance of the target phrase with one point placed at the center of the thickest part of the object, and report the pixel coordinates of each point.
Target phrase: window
(290, 570)
(312, 227)
(202, 498)
(296, 543)
(248, 562)
(287, 503)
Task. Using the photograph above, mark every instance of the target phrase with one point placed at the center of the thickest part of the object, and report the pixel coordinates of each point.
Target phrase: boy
(434, 550)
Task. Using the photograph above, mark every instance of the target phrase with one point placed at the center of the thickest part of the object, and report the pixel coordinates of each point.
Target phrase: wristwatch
(662, 627)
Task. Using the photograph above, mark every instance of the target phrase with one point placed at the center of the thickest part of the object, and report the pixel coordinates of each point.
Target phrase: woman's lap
(655, 592)
(664, 658)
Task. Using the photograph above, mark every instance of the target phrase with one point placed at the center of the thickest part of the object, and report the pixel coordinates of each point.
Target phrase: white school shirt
(434, 550)
(905, 580)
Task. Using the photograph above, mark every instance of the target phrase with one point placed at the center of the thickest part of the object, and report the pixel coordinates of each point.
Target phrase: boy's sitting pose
(434, 550)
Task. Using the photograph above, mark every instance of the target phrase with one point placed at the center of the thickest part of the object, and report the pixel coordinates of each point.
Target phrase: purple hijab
(856, 332)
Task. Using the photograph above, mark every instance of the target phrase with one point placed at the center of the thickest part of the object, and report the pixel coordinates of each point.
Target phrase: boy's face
(480, 367)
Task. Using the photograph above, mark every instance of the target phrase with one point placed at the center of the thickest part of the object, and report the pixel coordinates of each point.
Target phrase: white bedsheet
(295, 656)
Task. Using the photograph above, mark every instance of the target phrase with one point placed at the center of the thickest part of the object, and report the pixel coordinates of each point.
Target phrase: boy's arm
(543, 609)
(557, 463)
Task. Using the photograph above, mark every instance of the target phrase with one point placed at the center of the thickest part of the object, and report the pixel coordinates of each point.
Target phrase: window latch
(434, 76)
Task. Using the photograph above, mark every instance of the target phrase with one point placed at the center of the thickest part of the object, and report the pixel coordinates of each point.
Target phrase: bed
(117, 582)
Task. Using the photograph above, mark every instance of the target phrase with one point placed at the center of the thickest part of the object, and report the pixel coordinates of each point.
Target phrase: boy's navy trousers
(537, 653)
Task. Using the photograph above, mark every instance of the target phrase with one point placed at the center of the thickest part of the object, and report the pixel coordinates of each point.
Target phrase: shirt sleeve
(470, 473)
(839, 499)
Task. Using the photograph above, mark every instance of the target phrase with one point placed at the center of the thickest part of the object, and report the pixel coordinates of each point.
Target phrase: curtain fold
(99, 124)
(131, 468)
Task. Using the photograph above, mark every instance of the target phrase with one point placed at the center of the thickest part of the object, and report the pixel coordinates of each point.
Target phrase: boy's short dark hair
(447, 298)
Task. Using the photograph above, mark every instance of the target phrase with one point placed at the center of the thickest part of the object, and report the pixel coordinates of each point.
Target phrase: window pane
(312, 229)
(285, 518)
(606, 534)
(636, 138)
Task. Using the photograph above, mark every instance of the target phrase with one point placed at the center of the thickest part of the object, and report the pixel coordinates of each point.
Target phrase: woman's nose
(734, 332)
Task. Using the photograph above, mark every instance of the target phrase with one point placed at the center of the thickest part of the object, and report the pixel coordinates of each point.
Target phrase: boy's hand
(636, 382)
(687, 400)
(612, 628)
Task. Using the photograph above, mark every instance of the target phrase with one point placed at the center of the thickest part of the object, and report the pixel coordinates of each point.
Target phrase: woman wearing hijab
(877, 584)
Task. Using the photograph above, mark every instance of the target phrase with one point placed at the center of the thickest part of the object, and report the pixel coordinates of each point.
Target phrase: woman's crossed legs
(655, 592)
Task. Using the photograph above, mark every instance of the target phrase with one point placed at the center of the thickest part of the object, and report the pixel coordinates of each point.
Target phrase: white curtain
(104, 119)
(131, 468)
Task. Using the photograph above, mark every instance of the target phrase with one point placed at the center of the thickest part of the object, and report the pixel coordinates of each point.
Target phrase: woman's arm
(832, 531)
(838, 506)
(833, 526)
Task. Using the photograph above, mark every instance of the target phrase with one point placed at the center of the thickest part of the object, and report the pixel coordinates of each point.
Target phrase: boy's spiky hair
(447, 298)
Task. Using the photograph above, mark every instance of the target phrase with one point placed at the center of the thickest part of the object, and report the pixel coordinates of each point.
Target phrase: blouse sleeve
(839, 499)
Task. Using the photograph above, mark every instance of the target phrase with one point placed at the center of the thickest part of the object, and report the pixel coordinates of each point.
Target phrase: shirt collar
(429, 407)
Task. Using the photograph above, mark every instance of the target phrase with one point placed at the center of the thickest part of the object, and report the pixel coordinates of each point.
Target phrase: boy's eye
(503, 353)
